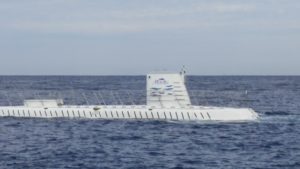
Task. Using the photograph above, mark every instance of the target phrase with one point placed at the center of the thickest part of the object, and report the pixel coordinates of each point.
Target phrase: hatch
(43, 103)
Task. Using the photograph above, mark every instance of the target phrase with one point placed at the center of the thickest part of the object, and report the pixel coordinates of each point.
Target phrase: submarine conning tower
(167, 90)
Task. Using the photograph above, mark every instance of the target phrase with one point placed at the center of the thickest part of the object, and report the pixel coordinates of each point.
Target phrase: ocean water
(271, 142)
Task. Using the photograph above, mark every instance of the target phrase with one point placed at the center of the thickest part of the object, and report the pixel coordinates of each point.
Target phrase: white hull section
(194, 113)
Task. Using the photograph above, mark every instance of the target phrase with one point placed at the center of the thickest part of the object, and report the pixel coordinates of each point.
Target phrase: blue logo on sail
(162, 88)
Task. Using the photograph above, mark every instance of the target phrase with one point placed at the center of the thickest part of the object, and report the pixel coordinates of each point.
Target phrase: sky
(134, 37)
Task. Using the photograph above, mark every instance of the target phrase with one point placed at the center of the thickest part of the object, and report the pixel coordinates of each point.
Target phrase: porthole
(117, 113)
(208, 116)
(134, 114)
(202, 115)
(146, 115)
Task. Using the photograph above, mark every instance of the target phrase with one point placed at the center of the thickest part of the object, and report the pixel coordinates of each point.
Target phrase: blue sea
(272, 142)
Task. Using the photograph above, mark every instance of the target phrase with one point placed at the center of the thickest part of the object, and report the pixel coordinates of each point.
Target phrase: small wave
(280, 113)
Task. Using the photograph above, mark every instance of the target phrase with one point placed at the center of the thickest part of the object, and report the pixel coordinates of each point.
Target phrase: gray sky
(133, 37)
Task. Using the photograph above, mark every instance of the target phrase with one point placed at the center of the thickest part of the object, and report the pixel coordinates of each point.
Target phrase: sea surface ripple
(271, 142)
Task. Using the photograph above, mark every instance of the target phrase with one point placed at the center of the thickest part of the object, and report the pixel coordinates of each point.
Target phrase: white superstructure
(167, 90)
(167, 99)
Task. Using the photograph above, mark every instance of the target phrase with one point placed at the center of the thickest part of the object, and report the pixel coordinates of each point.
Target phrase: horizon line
(24, 75)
